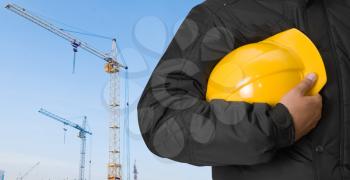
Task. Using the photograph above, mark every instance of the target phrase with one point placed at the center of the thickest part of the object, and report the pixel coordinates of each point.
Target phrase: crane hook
(64, 135)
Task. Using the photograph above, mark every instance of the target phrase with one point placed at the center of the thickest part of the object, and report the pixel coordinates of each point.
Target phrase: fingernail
(311, 76)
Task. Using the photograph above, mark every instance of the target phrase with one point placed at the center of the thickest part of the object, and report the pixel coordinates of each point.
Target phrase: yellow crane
(112, 67)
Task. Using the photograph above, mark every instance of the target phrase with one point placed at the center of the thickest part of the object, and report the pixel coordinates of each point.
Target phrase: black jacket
(249, 141)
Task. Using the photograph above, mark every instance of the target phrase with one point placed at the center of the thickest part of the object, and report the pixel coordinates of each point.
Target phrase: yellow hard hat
(265, 71)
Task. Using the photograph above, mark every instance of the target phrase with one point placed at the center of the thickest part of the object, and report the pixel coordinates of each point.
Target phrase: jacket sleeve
(177, 122)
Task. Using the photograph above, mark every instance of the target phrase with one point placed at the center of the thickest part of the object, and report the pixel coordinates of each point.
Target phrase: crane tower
(82, 135)
(112, 67)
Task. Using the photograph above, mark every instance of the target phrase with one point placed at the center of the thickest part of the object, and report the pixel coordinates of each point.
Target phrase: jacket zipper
(340, 87)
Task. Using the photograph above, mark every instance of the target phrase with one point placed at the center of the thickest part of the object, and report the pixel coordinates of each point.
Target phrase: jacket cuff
(284, 126)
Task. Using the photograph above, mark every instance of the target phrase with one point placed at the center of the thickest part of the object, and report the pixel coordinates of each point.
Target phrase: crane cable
(126, 137)
(127, 126)
(90, 152)
(87, 34)
(72, 29)
(75, 46)
(76, 31)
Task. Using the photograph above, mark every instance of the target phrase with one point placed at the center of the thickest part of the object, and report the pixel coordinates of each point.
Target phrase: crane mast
(114, 166)
(112, 67)
(82, 136)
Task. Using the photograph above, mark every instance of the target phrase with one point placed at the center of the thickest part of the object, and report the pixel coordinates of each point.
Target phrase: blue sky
(35, 72)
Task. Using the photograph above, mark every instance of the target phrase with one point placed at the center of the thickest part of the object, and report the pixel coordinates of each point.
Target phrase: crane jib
(82, 133)
(59, 32)
(112, 67)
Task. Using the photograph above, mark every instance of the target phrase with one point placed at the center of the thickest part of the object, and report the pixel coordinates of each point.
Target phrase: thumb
(306, 84)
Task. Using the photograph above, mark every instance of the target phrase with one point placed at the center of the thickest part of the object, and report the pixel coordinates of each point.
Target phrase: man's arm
(178, 123)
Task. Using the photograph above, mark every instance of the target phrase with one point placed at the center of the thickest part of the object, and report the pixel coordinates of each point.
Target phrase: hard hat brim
(265, 71)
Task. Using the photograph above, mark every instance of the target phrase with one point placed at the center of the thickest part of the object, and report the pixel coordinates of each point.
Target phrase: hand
(305, 110)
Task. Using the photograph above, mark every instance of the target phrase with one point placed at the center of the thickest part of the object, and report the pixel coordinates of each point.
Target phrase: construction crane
(112, 67)
(82, 136)
(26, 173)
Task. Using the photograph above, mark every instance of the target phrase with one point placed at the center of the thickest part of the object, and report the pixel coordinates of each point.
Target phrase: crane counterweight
(111, 67)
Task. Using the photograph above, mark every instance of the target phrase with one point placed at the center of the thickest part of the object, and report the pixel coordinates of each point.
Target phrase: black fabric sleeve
(178, 123)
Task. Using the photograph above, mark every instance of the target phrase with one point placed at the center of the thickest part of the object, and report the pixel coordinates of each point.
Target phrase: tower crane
(112, 67)
(30, 170)
(82, 136)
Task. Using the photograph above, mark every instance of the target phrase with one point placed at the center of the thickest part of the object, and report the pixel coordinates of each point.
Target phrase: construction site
(70, 103)
(112, 67)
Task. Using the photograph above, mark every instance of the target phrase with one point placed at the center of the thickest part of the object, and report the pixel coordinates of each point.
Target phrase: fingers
(316, 99)
(306, 84)
(316, 103)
